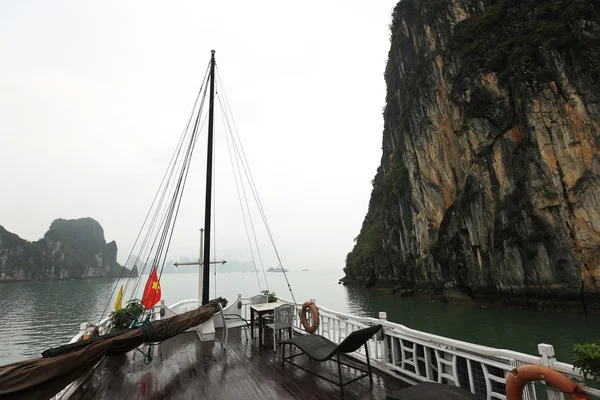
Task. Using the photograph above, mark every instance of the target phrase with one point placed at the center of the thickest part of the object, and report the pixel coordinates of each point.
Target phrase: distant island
(170, 268)
(278, 269)
(71, 249)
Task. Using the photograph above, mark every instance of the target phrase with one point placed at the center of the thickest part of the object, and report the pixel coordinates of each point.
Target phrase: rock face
(70, 249)
(489, 182)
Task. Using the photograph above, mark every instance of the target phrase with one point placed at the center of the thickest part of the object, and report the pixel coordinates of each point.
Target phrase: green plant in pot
(586, 358)
(125, 317)
(272, 297)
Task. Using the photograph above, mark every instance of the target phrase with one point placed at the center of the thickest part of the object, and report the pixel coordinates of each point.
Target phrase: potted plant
(586, 358)
(125, 317)
(272, 297)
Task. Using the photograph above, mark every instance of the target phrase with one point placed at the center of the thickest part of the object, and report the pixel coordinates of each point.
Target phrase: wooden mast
(209, 164)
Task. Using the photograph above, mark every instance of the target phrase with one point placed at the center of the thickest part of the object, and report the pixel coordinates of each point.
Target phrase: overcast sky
(94, 95)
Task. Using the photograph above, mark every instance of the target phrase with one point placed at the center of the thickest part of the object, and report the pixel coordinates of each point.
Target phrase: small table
(262, 309)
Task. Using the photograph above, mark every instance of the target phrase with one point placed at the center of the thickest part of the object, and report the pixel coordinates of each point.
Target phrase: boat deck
(184, 367)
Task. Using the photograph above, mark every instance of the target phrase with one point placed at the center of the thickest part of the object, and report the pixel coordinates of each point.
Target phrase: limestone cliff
(489, 184)
(70, 249)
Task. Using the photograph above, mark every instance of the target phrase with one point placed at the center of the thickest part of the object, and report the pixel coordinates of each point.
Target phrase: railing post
(547, 353)
(384, 341)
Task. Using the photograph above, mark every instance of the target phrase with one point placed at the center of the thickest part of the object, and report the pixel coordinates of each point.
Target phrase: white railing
(183, 306)
(414, 356)
(409, 355)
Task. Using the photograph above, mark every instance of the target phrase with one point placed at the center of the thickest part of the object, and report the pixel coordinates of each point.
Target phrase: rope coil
(146, 326)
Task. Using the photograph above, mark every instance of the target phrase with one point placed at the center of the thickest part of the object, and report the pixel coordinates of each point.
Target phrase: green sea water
(38, 315)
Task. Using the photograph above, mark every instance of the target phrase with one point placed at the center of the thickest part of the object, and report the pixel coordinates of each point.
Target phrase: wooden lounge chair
(319, 348)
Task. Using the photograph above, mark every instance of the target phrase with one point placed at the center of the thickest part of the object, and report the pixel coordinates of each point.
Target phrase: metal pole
(200, 268)
(209, 161)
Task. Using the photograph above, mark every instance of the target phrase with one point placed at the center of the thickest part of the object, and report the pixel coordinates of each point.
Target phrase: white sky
(94, 95)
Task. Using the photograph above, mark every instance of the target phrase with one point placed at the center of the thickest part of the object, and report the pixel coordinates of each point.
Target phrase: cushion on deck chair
(316, 346)
(320, 348)
(432, 391)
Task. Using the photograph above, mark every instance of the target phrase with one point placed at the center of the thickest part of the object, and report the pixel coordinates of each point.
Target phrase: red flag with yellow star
(151, 291)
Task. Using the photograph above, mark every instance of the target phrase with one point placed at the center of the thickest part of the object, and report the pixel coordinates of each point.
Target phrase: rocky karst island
(489, 187)
(71, 249)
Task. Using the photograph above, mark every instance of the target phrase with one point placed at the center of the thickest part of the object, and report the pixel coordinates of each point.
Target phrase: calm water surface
(38, 315)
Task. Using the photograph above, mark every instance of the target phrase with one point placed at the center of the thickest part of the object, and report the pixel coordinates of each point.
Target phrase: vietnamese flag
(151, 291)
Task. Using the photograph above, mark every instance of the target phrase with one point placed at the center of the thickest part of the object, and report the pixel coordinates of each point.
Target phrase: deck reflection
(186, 368)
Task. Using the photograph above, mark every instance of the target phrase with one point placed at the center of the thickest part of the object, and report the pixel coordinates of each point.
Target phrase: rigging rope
(159, 232)
(173, 166)
(253, 186)
(177, 196)
(145, 257)
(162, 231)
(237, 161)
(162, 223)
(146, 326)
(235, 176)
(181, 140)
(163, 220)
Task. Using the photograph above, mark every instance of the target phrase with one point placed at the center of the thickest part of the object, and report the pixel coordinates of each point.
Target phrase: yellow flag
(118, 302)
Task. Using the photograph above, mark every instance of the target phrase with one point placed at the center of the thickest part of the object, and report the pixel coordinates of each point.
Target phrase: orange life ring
(519, 377)
(315, 313)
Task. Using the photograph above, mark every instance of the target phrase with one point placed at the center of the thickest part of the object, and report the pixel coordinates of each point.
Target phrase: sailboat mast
(209, 164)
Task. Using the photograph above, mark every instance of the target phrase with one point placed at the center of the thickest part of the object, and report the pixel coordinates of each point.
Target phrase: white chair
(231, 317)
(259, 299)
(283, 319)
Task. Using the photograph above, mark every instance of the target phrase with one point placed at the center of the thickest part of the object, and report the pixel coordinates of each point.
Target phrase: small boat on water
(204, 348)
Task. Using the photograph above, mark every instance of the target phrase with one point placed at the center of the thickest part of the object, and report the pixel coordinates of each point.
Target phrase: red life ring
(519, 377)
(315, 316)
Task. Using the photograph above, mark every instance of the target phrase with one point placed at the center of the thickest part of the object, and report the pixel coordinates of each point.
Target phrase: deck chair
(321, 349)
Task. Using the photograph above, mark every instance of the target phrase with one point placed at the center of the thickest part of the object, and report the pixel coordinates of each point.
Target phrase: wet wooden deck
(186, 368)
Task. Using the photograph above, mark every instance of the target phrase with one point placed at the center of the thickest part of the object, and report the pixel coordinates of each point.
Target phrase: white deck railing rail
(414, 356)
(410, 355)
